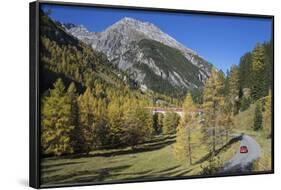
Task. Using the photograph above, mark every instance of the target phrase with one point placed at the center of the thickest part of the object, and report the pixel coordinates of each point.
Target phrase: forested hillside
(169, 61)
(64, 56)
(252, 78)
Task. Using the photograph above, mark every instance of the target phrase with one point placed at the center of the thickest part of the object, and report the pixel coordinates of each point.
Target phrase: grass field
(154, 159)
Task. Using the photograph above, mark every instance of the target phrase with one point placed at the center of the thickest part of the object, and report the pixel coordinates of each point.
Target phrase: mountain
(151, 57)
(64, 56)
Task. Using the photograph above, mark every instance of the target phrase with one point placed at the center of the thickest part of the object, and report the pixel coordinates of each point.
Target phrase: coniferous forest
(98, 124)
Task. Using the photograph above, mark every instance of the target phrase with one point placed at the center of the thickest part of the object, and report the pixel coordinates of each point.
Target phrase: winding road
(242, 162)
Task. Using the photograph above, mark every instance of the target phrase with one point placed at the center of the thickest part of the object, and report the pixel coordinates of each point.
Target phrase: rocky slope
(129, 44)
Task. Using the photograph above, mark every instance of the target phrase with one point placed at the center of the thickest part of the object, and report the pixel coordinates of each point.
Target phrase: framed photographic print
(131, 94)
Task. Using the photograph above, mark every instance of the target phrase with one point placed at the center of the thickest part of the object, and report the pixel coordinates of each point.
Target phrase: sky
(221, 40)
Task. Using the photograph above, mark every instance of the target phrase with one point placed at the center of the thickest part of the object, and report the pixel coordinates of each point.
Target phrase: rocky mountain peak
(80, 32)
(77, 28)
(131, 22)
(127, 44)
(128, 20)
(69, 25)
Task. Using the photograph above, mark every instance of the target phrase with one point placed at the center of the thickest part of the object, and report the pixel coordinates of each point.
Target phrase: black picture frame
(34, 78)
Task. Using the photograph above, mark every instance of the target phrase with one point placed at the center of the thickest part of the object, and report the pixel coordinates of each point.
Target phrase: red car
(243, 149)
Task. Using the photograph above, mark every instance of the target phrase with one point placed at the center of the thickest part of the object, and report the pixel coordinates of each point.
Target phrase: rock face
(151, 57)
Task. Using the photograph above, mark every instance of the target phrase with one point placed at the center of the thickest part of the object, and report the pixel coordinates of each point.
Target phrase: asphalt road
(242, 162)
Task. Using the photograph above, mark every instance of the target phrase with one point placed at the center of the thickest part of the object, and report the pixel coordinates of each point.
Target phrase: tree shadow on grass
(112, 173)
(84, 176)
(110, 176)
(49, 171)
(237, 169)
(161, 139)
(107, 173)
(147, 146)
(174, 171)
(183, 173)
(47, 166)
(224, 147)
(138, 149)
(147, 173)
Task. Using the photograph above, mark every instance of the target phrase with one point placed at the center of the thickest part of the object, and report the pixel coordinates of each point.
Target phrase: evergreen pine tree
(258, 117)
(258, 74)
(267, 115)
(245, 69)
(268, 47)
(245, 103)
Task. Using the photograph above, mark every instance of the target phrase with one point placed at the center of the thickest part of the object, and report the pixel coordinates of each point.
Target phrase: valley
(131, 103)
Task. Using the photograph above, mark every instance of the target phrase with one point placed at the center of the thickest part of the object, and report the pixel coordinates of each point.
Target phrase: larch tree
(86, 119)
(100, 126)
(138, 123)
(56, 122)
(77, 137)
(213, 101)
(233, 83)
(225, 122)
(170, 122)
(116, 121)
(158, 122)
(188, 132)
(98, 90)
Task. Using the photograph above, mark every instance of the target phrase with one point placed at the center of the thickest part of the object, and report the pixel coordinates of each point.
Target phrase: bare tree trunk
(189, 146)
(226, 136)
(214, 129)
(214, 139)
